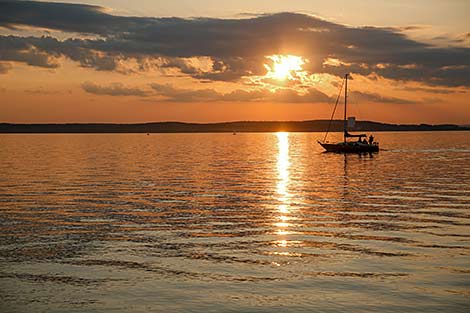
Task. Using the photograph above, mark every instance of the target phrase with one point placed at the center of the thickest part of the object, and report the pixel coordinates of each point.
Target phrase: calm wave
(224, 223)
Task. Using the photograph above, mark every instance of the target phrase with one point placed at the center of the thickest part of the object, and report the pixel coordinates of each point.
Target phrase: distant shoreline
(224, 127)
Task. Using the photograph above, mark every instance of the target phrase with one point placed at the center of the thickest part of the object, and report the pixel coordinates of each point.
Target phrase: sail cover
(346, 134)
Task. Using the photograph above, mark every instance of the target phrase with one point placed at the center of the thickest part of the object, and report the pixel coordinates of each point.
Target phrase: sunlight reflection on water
(283, 183)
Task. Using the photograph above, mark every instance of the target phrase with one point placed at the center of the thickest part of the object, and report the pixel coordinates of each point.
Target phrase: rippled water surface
(223, 223)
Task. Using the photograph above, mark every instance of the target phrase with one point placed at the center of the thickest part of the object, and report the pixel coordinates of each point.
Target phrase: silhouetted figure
(371, 139)
(364, 141)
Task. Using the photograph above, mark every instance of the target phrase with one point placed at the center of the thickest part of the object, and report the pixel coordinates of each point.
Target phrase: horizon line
(225, 122)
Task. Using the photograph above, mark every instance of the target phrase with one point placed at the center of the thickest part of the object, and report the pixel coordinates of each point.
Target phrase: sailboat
(360, 145)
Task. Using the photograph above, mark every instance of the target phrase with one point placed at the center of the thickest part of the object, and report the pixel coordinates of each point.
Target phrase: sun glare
(284, 66)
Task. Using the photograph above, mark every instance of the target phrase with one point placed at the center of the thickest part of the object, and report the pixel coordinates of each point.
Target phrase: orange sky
(255, 67)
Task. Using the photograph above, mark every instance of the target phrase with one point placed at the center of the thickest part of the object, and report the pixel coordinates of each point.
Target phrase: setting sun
(284, 66)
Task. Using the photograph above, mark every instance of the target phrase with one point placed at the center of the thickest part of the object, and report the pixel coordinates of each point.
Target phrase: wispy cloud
(170, 93)
(377, 98)
(115, 89)
(173, 94)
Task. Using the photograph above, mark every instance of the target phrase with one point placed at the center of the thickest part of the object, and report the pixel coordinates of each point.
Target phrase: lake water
(222, 223)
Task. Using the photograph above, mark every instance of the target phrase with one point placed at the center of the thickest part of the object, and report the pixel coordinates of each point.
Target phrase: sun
(284, 67)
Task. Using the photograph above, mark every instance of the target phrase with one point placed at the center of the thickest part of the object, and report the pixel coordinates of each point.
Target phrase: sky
(209, 61)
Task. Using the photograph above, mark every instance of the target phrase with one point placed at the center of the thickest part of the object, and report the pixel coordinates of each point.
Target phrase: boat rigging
(359, 146)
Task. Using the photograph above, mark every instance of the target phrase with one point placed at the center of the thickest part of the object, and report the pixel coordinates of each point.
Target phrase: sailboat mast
(345, 106)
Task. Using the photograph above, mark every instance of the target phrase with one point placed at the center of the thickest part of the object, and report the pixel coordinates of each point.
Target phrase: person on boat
(364, 141)
(371, 139)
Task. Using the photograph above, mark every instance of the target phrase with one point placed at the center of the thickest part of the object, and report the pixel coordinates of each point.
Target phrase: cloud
(186, 95)
(377, 98)
(236, 47)
(115, 89)
(45, 51)
(20, 49)
(432, 90)
(68, 17)
(169, 93)
(41, 91)
(173, 94)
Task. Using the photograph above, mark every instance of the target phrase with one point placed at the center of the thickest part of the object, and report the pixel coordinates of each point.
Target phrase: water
(224, 223)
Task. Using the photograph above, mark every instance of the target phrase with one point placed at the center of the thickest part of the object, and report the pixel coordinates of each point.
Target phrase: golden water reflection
(283, 165)
(283, 195)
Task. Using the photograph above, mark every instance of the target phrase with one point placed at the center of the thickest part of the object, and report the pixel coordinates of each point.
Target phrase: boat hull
(350, 147)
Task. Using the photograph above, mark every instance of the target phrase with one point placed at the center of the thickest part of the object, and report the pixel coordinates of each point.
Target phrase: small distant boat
(361, 145)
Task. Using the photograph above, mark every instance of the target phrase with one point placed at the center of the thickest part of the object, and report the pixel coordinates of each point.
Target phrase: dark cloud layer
(236, 46)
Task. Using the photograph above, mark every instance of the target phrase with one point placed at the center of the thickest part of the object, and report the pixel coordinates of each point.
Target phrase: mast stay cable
(334, 110)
